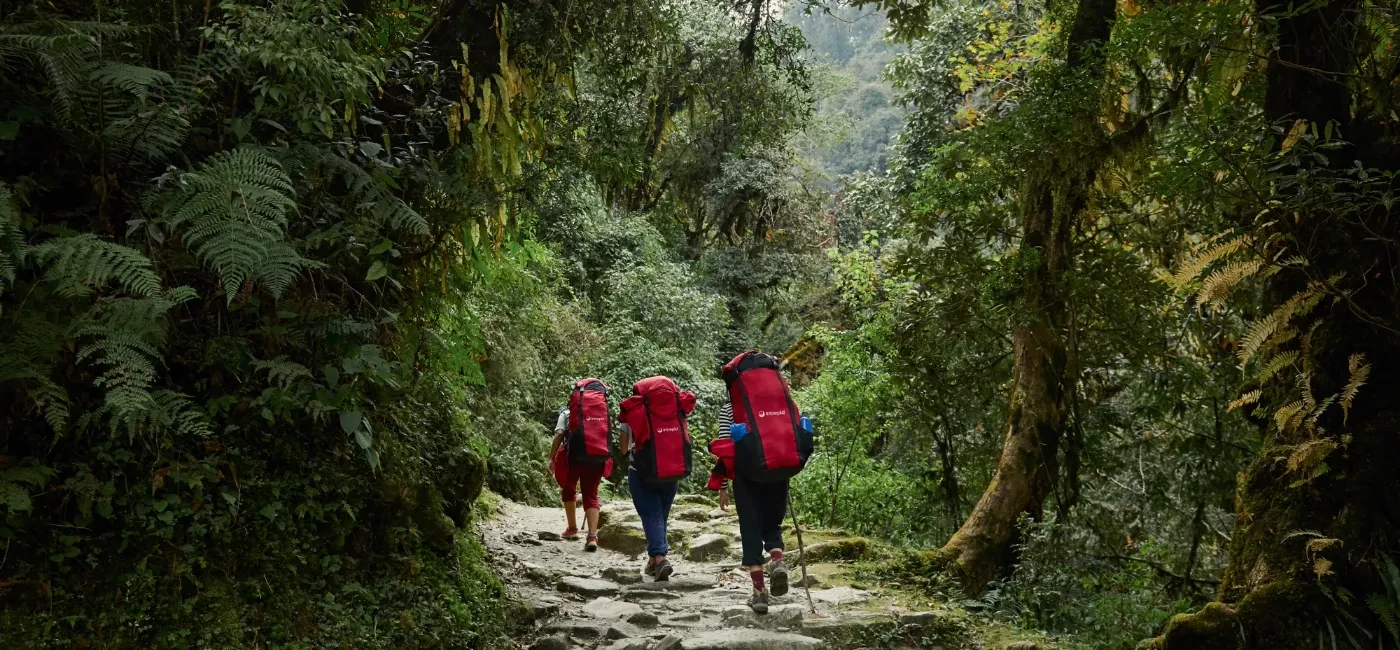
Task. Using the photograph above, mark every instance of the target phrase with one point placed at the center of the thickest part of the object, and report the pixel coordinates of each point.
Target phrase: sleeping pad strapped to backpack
(772, 441)
(656, 412)
(590, 424)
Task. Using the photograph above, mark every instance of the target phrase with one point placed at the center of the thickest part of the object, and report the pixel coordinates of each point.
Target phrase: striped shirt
(726, 419)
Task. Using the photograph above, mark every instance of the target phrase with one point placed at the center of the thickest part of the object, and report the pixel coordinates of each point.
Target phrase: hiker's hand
(723, 498)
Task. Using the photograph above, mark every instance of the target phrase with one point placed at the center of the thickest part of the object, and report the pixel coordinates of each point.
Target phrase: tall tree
(1066, 146)
(1318, 509)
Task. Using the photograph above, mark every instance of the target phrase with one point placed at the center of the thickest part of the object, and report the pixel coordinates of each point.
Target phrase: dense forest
(1094, 303)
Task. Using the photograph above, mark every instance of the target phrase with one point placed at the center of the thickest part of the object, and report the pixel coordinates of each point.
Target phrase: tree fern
(233, 212)
(79, 263)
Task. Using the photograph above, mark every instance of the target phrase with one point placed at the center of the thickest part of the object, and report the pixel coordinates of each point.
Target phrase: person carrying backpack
(657, 436)
(763, 442)
(581, 454)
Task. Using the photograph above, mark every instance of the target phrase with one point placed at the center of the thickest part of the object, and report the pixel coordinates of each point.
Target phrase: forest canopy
(1094, 303)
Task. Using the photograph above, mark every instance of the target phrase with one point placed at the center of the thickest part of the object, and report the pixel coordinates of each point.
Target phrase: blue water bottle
(737, 431)
(807, 424)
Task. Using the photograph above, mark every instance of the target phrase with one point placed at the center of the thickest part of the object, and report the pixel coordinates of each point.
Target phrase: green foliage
(232, 213)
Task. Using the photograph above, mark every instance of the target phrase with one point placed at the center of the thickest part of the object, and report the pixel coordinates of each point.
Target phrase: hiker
(656, 435)
(758, 452)
(581, 455)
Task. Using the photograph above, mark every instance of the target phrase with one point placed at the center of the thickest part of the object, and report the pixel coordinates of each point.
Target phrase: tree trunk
(1055, 193)
(1295, 544)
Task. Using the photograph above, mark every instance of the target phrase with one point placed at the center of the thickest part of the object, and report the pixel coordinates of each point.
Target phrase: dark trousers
(761, 508)
(653, 504)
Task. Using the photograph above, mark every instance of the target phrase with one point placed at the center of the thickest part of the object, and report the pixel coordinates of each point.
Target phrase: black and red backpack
(590, 423)
(775, 445)
(656, 412)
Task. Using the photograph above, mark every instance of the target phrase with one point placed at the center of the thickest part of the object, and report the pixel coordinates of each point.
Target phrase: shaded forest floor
(571, 598)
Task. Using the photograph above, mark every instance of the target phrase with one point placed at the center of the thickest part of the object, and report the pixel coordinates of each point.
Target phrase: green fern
(53, 401)
(371, 193)
(80, 263)
(156, 413)
(234, 212)
(1386, 604)
(12, 247)
(65, 59)
(282, 372)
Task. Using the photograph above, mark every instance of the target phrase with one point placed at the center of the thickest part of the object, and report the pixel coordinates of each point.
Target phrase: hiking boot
(591, 544)
(777, 578)
(758, 602)
(662, 570)
(570, 533)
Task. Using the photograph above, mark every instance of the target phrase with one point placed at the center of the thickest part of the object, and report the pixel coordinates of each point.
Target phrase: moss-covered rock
(623, 539)
(852, 548)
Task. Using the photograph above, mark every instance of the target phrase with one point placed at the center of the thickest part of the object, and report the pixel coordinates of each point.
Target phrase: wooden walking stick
(801, 555)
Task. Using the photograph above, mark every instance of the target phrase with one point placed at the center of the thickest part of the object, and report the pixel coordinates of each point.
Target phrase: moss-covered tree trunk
(1055, 191)
(1303, 551)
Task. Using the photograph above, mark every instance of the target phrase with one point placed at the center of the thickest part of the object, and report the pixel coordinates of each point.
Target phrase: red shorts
(589, 475)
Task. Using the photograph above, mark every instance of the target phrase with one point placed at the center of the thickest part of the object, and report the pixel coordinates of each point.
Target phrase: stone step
(740, 639)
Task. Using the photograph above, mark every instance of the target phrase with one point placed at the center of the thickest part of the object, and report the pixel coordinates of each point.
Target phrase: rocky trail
(575, 599)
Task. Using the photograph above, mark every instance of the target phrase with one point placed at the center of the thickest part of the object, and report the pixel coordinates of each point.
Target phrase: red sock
(757, 577)
(777, 554)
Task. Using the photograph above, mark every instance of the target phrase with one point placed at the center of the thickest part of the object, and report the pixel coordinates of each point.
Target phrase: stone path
(602, 600)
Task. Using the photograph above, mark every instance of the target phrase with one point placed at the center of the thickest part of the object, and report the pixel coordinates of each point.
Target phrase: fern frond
(235, 210)
(1274, 365)
(1286, 417)
(1265, 328)
(1218, 285)
(1309, 455)
(1359, 371)
(1246, 399)
(370, 192)
(80, 263)
(137, 80)
(12, 246)
(282, 372)
(1387, 612)
(52, 400)
(65, 59)
(137, 412)
(1189, 271)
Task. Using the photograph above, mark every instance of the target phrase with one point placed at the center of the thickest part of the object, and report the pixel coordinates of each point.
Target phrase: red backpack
(774, 445)
(656, 413)
(590, 423)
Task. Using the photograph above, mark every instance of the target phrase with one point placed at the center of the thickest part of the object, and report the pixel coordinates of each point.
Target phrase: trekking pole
(801, 555)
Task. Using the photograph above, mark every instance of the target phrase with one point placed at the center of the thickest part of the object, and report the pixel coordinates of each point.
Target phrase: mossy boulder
(698, 515)
(622, 538)
(851, 548)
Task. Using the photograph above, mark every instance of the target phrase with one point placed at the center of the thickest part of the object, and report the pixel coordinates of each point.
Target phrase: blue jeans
(653, 504)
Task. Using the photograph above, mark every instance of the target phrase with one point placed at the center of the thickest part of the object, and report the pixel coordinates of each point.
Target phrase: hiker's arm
(554, 445)
(624, 439)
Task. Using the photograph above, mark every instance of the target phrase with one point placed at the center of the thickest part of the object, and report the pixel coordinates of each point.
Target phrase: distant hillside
(856, 117)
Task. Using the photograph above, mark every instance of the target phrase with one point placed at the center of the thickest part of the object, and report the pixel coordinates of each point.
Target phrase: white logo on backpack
(768, 414)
